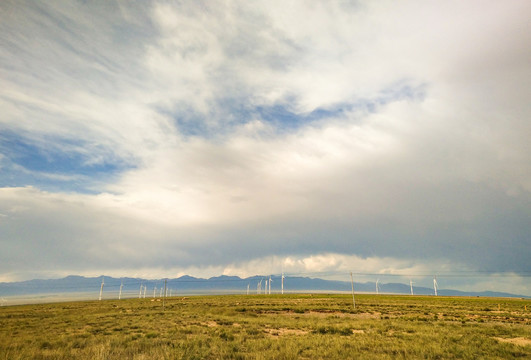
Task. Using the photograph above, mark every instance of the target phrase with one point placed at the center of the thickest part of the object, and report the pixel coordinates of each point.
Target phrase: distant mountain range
(188, 285)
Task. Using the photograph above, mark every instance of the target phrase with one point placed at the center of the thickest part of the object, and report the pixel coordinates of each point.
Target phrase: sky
(156, 139)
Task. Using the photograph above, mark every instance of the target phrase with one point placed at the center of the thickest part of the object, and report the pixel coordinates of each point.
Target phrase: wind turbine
(145, 288)
(282, 283)
(352, 283)
(411, 286)
(140, 292)
(377, 287)
(101, 288)
(120, 294)
(248, 288)
(270, 281)
(435, 285)
(154, 289)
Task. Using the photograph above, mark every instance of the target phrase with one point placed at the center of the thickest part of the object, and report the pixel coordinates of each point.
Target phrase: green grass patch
(319, 326)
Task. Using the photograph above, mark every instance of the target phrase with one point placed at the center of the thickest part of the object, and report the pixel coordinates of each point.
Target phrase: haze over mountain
(89, 288)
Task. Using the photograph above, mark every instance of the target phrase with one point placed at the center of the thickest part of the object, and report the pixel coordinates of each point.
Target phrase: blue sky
(156, 139)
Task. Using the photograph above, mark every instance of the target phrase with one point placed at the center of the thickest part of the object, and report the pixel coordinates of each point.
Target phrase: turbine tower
(101, 288)
(377, 287)
(282, 283)
(352, 283)
(435, 285)
(411, 286)
(120, 294)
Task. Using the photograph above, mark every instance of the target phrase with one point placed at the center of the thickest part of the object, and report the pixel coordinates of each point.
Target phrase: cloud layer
(215, 137)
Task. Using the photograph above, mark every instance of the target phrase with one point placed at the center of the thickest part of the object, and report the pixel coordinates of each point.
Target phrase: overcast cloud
(157, 139)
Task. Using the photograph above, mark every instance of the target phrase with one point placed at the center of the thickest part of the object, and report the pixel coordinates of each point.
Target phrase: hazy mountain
(189, 285)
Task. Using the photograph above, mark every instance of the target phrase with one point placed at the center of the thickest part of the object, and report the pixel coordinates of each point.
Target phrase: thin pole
(282, 283)
(101, 288)
(165, 280)
(154, 289)
(352, 283)
(120, 294)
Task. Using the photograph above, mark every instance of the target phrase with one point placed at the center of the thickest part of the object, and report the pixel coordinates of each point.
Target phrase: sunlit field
(269, 327)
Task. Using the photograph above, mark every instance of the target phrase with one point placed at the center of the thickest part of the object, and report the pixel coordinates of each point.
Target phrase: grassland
(269, 327)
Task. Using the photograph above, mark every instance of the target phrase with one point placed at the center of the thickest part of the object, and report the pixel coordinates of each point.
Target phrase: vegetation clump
(269, 327)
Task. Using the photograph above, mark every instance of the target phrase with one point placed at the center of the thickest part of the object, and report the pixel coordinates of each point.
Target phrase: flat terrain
(269, 327)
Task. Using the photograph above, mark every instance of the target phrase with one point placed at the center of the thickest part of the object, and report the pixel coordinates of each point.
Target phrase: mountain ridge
(187, 284)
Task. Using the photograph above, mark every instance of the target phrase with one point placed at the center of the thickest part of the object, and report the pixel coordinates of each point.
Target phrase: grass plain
(317, 326)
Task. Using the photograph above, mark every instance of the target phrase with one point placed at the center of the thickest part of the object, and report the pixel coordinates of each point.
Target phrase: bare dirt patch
(337, 314)
(516, 341)
(284, 332)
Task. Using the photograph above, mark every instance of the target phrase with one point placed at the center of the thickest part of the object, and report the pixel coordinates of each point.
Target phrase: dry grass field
(270, 327)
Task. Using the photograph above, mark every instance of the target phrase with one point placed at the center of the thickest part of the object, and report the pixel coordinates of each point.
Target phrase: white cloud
(423, 153)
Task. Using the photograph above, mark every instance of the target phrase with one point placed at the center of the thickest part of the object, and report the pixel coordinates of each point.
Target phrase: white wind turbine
(270, 281)
(101, 288)
(435, 285)
(377, 287)
(121, 287)
(282, 283)
(411, 286)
